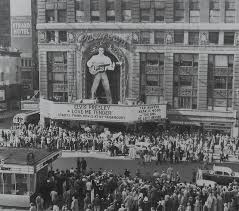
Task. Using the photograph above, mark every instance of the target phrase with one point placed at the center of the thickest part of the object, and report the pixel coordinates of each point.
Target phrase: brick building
(5, 30)
(184, 52)
(23, 38)
(10, 79)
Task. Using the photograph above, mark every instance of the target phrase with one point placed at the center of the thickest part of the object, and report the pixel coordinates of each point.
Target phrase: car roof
(222, 168)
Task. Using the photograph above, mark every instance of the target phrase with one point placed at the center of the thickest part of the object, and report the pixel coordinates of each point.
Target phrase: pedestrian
(83, 165)
(32, 207)
(39, 203)
(74, 204)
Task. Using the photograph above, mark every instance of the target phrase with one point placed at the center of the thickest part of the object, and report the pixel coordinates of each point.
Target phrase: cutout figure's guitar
(97, 68)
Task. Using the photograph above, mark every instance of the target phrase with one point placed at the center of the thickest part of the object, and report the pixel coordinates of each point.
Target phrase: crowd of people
(161, 145)
(85, 189)
(82, 189)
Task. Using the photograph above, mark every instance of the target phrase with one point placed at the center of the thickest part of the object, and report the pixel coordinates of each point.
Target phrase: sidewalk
(104, 155)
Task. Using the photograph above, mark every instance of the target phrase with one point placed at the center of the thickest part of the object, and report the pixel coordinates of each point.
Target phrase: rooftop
(18, 156)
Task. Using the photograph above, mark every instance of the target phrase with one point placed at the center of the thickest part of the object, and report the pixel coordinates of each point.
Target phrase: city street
(118, 165)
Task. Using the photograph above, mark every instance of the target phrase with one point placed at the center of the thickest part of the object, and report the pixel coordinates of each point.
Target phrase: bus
(31, 117)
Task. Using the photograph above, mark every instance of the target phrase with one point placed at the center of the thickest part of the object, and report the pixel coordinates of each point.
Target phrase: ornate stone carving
(71, 37)
(135, 37)
(203, 38)
(169, 37)
(42, 37)
(237, 38)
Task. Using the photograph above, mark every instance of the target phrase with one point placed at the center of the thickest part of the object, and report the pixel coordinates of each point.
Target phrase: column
(237, 11)
(222, 11)
(202, 81)
(56, 36)
(152, 15)
(186, 11)
(71, 76)
(87, 10)
(168, 78)
(118, 11)
(185, 38)
(134, 77)
(43, 80)
(102, 9)
(221, 38)
(152, 38)
(41, 10)
(70, 11)
(235, 100)
(135, 10)
(204, 11)
(169, 11)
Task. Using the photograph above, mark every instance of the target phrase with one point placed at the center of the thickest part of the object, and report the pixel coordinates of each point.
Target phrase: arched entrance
(113, 77)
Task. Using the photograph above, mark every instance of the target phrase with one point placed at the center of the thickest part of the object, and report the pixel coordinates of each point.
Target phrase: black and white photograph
(119, 105)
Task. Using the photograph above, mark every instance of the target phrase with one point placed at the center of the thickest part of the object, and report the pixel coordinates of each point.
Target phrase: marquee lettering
(105, 38)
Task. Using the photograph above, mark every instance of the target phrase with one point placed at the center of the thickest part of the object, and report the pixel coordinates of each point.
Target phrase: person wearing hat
(32, 207)
(97, 203)
(122, 208)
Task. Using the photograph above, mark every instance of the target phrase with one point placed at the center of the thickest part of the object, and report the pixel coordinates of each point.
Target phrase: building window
(159, 10)
(151, 77)
(145, 15)
(57, 76)
(193, 38)
(61, 16)
(194, 11)
(50, 36)
(62, 36)
(2, 76)
(80, 13)
(145, 37)
(110, 10)
(230, 11)
(220, 80)
(214, 11)
(213, 38)
(159, 37)
(94, 8)
(145, 6)
(126, 11)
(185, 81)
(50, 16)
(178, 37)
(229, 38)
(179, 11)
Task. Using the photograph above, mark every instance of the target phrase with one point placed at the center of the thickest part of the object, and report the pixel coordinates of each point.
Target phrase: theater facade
(183, 53)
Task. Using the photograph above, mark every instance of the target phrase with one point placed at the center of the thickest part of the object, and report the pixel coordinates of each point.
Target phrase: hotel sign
(21, 26)
(102, 112)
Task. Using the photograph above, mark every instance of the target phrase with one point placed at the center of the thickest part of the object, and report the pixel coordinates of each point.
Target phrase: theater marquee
(102, 112)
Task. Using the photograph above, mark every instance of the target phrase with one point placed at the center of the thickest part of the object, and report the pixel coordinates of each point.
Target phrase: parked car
(219, 174)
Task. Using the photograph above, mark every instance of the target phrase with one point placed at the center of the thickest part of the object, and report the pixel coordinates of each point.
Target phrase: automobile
(220, 174)
(141, 146)
(206, 183)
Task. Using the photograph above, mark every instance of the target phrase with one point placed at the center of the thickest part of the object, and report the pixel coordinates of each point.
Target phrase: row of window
(26, 62)
(185, 80)
(150, 11)
(57, 76)
(144, 37)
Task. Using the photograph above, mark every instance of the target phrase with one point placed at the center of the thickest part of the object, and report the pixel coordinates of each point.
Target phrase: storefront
(21, 172)
(102, 112)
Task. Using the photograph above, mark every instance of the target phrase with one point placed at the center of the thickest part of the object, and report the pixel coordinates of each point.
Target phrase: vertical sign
(21, 26)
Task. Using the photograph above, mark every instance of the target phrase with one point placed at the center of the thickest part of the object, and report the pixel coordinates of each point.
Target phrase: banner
(21, 26)
(102, 112)
(2, 95)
